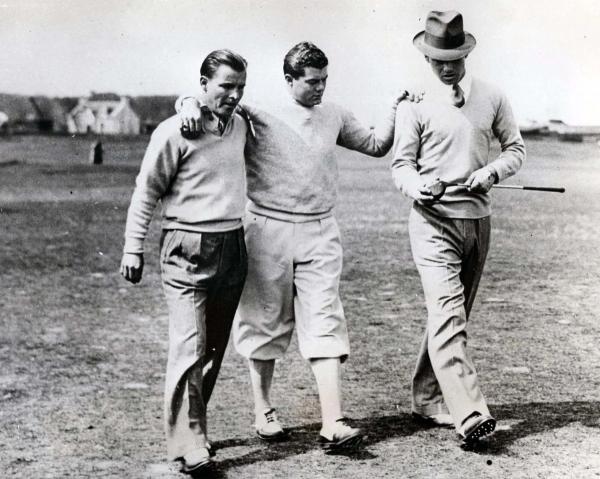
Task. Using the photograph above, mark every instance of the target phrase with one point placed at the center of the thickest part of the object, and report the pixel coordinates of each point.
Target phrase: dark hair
(222, 57)
(302, 55)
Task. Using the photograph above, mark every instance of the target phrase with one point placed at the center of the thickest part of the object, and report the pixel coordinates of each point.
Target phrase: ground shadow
(531, 418)
(302, 439)
(538, 417)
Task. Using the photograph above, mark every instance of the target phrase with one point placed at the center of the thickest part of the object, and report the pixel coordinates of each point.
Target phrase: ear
(203, 82)
(427, 59)
(289, 79)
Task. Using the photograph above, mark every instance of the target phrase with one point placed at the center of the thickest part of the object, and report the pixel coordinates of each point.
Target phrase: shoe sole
(480, 431)
(201, 466)
(349, 443)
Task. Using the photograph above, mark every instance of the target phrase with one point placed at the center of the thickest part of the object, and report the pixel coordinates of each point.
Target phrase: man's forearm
(509, 161)
(370, 141)
(181, 99)
(513, 149)
(407, 179)
(385, 131)
(139, 216)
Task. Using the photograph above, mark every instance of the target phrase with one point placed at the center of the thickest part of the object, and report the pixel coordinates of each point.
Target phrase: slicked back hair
(222, 57)
(301, 56)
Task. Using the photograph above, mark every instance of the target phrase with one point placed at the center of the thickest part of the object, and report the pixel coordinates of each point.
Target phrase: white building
(104, 113)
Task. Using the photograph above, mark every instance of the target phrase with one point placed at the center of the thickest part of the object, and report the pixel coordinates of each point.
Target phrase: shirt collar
(438, 91)
(210, 121)
(465, 84)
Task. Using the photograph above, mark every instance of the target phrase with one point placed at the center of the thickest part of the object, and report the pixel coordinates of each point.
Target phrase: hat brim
(444, 54)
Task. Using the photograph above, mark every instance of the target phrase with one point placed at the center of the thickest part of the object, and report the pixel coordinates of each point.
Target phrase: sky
(544, 54)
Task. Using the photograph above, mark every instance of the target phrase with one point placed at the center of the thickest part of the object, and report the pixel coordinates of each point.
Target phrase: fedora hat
(444, 38)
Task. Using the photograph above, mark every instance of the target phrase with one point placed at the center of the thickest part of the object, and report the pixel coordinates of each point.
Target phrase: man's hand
(422, 195)
(190, 116)
(132, 266)
(409, 96)
(481, 181)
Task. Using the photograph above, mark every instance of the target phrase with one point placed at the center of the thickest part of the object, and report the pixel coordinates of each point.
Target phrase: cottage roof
(68, 103)
(50, 109)
(104, 97)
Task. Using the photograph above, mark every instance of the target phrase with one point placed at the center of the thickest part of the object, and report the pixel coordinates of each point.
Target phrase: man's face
(309, 88)
(224, 90)
(449, 72)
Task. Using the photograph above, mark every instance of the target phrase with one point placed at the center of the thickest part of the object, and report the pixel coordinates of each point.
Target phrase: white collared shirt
(211, 122)
(438, 91)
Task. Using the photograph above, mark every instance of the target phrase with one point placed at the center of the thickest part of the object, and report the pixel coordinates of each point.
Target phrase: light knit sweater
(200, 182)
(437, 140)
(291, 165)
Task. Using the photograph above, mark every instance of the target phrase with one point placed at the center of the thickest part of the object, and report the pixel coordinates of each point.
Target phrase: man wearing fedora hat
(448, 136)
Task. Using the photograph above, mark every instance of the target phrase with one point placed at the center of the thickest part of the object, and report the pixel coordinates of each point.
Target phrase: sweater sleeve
(157, 171)
(179, 101)
(247, 113)
(407, 142)
(356, 137)
(506, 130)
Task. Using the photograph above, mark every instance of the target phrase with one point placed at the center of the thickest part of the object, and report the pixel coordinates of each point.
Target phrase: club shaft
(519, 187)
(531, 188)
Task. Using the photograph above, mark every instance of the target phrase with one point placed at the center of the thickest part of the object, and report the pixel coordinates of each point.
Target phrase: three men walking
(287, 158)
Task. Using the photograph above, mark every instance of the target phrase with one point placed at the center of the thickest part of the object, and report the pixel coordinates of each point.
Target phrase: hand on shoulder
(409, 96)
(190, 116)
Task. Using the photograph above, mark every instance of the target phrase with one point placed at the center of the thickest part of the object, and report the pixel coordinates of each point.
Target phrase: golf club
(438, 188)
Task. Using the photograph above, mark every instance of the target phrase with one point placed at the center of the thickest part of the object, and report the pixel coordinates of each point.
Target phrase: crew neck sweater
(438, 140)
(200, 182)
(291, 164)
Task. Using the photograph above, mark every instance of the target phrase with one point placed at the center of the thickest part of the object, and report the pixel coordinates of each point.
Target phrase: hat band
(445, 43)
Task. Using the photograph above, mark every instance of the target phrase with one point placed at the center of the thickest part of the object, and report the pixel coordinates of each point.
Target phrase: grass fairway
(83, 352)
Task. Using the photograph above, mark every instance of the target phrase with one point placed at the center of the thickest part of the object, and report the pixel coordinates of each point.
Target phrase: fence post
(96, 153)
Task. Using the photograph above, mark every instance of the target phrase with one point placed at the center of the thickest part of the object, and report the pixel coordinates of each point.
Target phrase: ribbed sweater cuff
(133, 245)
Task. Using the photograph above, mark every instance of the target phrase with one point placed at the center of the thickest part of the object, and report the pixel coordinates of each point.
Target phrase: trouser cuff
(430, 409)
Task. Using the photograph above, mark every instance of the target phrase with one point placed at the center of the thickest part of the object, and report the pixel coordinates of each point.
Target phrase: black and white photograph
(299, 239)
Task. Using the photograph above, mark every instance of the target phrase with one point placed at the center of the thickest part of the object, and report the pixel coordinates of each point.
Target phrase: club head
(437, 188)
